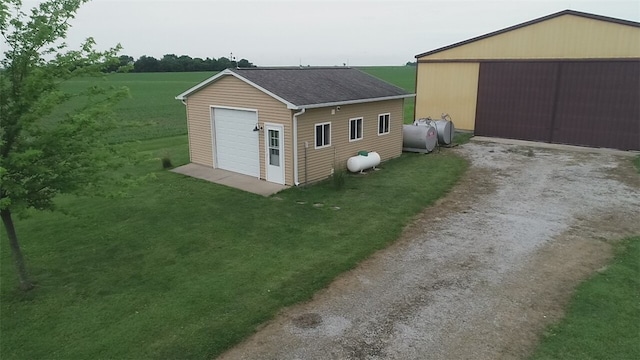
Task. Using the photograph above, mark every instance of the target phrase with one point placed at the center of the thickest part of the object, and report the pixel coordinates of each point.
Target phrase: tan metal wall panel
(321, 161)
(231, 92)
(564, 37)
(450, 88)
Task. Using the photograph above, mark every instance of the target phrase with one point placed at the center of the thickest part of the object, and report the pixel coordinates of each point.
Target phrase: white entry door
(274, 139)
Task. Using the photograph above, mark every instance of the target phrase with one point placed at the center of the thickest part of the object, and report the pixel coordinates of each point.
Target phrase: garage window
(355, 129)
(323, 135)
(383, 123)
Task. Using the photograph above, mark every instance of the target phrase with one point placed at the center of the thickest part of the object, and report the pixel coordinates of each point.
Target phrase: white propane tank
(359, 163)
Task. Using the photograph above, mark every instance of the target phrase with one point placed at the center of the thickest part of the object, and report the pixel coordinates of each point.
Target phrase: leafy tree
(185, 63)
(169, 63)
(174, 63)
(211, 64)
(198, 65)
(146, 64)
(125, 60)
(244, 63)
(124, 64)
(43, 155)
(224, 63)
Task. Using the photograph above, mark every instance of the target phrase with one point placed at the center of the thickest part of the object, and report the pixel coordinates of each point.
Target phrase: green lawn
(182, 268)
(603, 319)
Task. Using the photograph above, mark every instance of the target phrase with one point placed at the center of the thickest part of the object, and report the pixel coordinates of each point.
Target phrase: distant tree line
(174, 63)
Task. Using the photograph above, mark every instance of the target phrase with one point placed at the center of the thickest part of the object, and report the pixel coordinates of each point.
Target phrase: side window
(323, 135)
(355, 129)
(383, 123)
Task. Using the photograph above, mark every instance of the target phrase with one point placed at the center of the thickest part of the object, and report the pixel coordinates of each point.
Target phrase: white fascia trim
(225, 72)
(183, 96)
(357, 101)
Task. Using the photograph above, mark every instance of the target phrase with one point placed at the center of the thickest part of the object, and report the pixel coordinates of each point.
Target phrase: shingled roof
(311, 87)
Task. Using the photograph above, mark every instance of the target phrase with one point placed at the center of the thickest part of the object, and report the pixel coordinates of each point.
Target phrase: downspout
(186, 110)
(415, 91)
(295, 146)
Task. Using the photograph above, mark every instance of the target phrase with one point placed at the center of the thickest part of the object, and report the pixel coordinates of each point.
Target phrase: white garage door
(236, 143)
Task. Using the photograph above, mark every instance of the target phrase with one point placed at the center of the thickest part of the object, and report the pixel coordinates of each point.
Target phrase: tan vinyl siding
(450, 88)
(321, 161)
(199, 129)
(564, 37)
(229, 91)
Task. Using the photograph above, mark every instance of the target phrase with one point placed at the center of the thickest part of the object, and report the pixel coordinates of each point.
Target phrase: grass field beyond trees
(402, 76)
(181, 268)
(152, 112)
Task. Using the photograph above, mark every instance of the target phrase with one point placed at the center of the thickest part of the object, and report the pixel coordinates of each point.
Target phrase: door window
(274, 147)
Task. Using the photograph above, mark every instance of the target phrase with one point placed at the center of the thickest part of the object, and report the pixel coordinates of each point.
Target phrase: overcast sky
(310, 32)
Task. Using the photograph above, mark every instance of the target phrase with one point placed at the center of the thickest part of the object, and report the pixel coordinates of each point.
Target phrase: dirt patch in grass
(602, 319)
(307, 321)
(480, 274)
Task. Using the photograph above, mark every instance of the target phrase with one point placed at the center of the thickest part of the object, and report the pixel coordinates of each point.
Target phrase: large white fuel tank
(361, 162)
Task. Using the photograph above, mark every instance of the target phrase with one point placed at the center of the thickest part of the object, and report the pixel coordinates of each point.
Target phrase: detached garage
(291, 125)
(569, 78)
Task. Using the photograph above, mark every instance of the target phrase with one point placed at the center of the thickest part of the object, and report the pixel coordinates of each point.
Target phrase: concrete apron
(228, 178)
(556, 146)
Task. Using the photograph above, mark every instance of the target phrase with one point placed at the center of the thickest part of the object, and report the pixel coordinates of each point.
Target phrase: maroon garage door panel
(515, 100)
(599, 105)
(581, 103)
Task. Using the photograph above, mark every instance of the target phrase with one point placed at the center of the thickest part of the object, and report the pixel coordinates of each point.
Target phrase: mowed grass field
(151, 111)
(178, 268)
(402, 76)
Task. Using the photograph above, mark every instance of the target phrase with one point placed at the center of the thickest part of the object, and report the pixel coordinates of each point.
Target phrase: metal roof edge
(531, 22)
(356, 101)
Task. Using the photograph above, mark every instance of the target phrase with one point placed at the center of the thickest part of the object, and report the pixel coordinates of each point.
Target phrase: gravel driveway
(477, 276)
